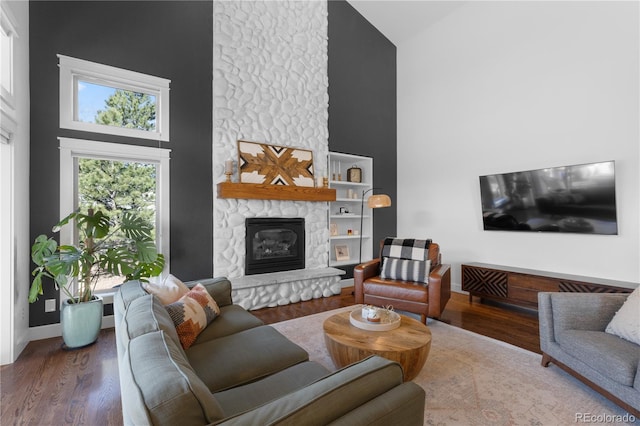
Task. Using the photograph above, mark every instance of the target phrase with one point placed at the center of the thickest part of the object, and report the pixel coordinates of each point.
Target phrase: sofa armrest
(219, 288)
(333, 396)
(439, 289)
(361, 273)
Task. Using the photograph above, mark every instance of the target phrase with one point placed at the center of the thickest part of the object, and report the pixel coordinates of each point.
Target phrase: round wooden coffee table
(408, 344)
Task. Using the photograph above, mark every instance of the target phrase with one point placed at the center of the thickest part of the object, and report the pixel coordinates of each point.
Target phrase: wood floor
(50, 386)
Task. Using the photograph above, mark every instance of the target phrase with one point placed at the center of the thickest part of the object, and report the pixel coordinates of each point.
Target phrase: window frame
(72, 70)
(71, 149)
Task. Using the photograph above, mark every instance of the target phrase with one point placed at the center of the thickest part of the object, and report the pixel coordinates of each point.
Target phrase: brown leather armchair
(415, 297)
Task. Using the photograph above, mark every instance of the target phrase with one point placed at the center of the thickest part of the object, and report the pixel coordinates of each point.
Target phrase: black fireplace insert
(274, 244)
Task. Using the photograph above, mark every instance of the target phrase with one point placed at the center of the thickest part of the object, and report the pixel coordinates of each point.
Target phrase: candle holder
(228, 169)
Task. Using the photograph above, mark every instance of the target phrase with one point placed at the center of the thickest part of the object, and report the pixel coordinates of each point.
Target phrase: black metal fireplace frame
(262, 266)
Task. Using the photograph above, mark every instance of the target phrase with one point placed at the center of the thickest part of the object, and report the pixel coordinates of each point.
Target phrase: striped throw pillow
(405, 269)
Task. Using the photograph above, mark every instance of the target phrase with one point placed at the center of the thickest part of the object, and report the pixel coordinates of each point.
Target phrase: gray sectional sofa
(240, 371)
(572, 336)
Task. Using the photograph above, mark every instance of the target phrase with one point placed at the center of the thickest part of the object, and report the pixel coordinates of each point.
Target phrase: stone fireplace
(274, 244)
(271, 86)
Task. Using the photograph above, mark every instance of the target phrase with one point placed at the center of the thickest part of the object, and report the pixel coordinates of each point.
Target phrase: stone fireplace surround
(270, 85)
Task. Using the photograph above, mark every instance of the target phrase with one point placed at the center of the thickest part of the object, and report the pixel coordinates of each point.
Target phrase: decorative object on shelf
(275, 165)
(228, 169)
(342, 252)
(325, 182)
(128, 250)
(354, 174)
(333, 229)
(374, 202)
(343, 210)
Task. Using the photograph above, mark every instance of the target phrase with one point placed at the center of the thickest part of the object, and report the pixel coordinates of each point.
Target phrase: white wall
(14, 214)
(507, 86)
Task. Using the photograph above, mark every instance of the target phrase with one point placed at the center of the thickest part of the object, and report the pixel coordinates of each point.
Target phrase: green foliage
(118, 186)
(128, 109)
(100, 251)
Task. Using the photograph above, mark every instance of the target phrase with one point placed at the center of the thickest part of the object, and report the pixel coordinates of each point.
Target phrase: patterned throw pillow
(192, 313)
(168, 291)
(626, 322)
(402, 248)
(405, 269)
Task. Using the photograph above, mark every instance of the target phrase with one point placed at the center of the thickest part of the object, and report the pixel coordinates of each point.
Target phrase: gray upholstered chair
(572, 336)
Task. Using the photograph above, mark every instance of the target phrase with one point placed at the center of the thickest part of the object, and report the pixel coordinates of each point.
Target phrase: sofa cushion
(609, 355)
(405, 269)
(406, 248)
(168, 291)
(219, 288)
(146, 315)
(246, 397)
(127, 292)
(331, 397)
(626, 322)
(243, 357)
(171, 391)
(232, 319)
(192, 313)
(401, 290)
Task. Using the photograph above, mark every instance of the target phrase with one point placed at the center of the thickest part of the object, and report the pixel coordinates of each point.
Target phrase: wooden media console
(520, 286)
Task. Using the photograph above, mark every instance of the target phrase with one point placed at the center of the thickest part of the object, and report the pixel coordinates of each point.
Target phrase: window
(7, 35)
(115, 178)
(104, 99)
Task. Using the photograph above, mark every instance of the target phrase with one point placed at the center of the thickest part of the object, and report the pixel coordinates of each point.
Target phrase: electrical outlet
(50, 305)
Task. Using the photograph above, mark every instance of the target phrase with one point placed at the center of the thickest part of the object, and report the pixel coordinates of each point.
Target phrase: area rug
(471, 379)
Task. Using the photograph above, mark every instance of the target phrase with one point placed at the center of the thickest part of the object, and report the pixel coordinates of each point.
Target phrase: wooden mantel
(257, 191)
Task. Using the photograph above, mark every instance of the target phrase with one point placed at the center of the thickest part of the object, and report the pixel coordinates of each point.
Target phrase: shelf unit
(349, 198)
(274, 192)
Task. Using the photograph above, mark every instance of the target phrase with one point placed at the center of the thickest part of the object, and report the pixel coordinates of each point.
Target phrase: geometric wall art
(274, 165)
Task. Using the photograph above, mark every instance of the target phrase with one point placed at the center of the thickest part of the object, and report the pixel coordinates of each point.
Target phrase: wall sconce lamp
(374, 202)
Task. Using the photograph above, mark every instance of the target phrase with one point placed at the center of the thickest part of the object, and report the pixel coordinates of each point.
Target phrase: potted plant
(126, 249)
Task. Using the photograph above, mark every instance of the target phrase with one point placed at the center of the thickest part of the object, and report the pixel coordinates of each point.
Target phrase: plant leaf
(147, 252)
(150, 269)
(42, 248)
(136, 228)
(36, 288)
(96, 225)
(64, 221)
(117, 261)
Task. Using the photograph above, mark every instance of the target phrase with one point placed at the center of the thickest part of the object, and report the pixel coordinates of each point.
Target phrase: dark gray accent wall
(362, 102)
(169, 39)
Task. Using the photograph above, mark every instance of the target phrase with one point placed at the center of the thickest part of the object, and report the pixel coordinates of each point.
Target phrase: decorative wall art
(342, 252)
(274, 165)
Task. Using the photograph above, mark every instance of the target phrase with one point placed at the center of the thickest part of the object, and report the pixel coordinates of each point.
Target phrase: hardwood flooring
(50, 386)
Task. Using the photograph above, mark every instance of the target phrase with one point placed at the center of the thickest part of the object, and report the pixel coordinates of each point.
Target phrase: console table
(520, 286)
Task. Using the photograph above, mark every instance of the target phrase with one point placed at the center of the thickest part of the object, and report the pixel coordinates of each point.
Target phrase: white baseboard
(54, 330)
(347, 283)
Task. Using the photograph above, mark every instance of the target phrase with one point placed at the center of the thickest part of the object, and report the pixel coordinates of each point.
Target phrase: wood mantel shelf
(257, 191)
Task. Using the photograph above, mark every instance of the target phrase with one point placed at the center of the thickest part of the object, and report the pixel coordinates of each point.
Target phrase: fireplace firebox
(274, 244)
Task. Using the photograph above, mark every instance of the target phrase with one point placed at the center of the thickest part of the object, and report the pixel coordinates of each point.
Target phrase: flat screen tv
(578, 199)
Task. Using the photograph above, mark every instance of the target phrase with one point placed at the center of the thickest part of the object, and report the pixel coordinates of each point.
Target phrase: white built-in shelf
(349, 195)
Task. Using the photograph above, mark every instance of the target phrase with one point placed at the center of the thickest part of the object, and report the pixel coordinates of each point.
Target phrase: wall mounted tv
(578, 199)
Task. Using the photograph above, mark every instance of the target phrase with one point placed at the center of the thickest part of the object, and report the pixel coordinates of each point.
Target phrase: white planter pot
(81, 322)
